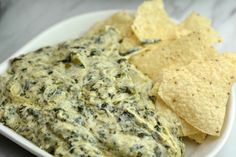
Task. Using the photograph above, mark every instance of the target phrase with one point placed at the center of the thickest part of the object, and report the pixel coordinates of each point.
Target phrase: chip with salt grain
(174, 120)
(153, 58)
(197, 23)
(199, 91)
(122, 21)
(152, 22)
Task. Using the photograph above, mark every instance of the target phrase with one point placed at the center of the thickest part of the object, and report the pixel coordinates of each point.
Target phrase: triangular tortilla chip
(152, 59)
(199, 92)
(152, 22)
(197, 23)
(174, 120)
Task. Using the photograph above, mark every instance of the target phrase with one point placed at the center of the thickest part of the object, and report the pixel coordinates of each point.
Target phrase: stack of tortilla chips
(192, 81)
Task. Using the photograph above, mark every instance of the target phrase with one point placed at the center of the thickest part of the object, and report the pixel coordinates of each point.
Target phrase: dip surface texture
(82, 98)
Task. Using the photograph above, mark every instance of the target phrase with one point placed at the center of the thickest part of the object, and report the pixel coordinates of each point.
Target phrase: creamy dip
(82, 98)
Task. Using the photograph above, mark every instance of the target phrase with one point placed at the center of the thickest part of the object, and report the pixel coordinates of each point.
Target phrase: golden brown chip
(170, 115)
(188, 129)
(121, 21)
(97, 27)
(199, 137)
(198, 23)
(152, 22)
(199, 92)
(153, 58)
(174, 120)
(230, 56)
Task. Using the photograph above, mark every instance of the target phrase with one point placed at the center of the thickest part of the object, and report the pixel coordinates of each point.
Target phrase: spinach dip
(81, 98)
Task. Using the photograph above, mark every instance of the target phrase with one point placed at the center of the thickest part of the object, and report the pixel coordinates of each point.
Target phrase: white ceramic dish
(73, 28)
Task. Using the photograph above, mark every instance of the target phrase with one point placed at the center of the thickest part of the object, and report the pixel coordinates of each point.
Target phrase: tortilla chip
(188, 129)
(96, 28)
(152, 22)
(230, 56)
(122, 21)
(174, 120)
(199, 137)
(199, 92)
(153, 58)
(170, 115)
(198, 23)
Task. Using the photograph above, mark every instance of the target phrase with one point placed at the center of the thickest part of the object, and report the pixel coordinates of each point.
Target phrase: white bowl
(76, 26)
